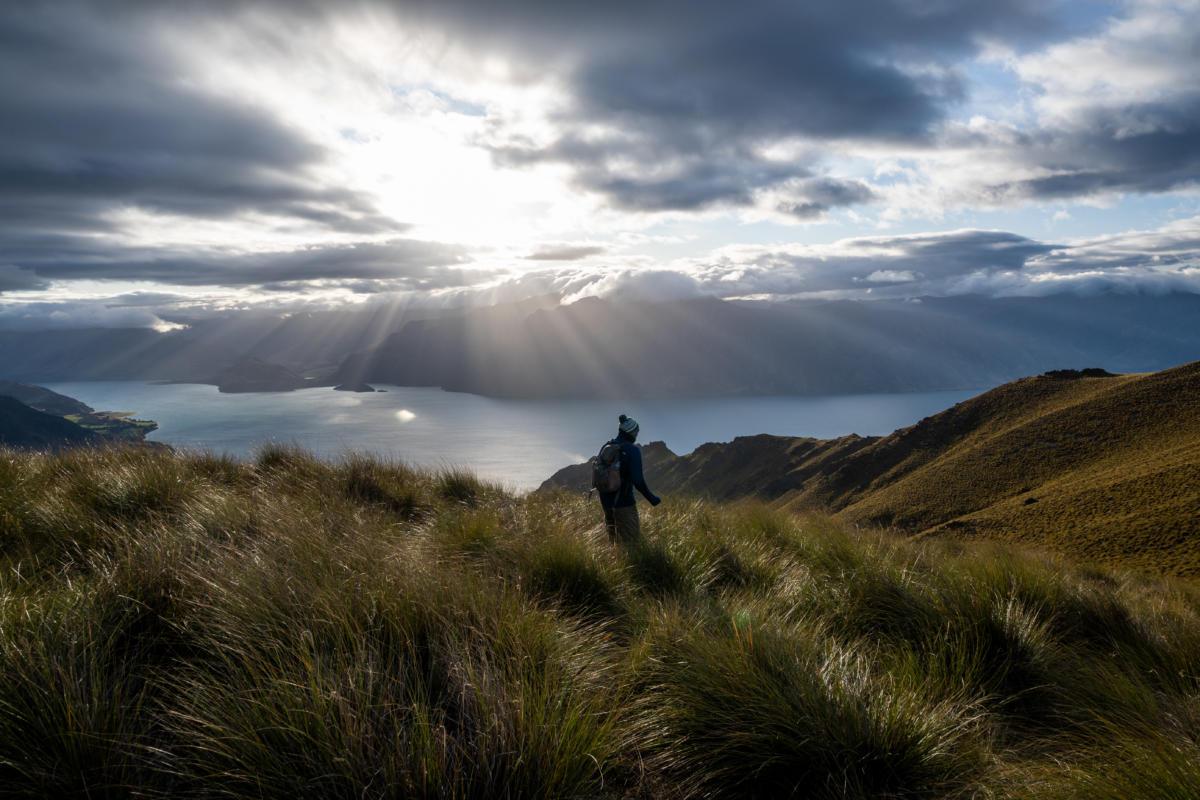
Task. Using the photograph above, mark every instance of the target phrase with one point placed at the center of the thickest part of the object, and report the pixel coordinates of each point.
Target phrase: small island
(355, 387)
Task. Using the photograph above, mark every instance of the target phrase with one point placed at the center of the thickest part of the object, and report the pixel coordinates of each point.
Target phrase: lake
(518, 443)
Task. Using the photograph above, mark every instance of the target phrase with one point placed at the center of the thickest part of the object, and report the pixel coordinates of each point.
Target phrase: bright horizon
(164, 162)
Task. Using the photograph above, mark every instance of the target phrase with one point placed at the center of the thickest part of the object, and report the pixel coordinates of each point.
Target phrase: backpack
(606, 468)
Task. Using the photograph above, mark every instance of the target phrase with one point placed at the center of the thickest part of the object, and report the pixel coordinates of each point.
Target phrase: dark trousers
(622, 523)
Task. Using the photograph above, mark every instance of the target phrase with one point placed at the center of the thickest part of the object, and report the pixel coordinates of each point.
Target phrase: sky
(160, 161)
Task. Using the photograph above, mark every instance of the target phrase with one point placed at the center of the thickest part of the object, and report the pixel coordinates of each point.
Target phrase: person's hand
(655, 500)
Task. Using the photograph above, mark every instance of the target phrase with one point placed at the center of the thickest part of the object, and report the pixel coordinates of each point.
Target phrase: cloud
(146, 300)
(404, 263)
(992, 263)
(566, 252)
(1146, 148)
(812, 199)
(726, 176)
(100, 117)
(14, 278)
(891, 276)
(69, 314)
(692, 184)
(645, 286)
(922, 263)
(120, 122)
(976, 262)
(692, 92)
(1114, 111)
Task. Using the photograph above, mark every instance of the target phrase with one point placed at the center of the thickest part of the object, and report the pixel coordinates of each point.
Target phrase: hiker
(616, 472)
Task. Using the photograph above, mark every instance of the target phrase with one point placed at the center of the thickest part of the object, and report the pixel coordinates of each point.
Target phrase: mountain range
(610, 348)
(706, 347)
(1102, 467)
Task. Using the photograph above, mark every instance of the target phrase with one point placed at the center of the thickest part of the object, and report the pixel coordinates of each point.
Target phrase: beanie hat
(628, 424)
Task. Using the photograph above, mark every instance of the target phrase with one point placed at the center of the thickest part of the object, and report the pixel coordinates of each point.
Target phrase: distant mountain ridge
(596, 347)
(1104, 468)
(708, 347)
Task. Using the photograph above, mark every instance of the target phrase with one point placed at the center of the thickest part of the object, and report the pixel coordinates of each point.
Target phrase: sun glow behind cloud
(402, 113)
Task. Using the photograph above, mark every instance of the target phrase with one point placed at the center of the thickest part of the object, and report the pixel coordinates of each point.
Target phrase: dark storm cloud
(696, 88)
(14, 279)
(1142, 147)
(814, 198)
(671, 103)
(694, 185)
(409, 263)
(772, 67)
(728, 176)
(98, 118)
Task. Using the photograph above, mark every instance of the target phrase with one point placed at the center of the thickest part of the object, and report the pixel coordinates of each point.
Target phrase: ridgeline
(1101, 467)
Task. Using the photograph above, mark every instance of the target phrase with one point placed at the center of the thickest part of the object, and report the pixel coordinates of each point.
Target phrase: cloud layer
(98, 117)
(672, 103)
(989, 263)
(288, 153)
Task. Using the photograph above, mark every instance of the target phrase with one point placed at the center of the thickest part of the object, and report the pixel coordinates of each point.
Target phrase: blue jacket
(631, 477)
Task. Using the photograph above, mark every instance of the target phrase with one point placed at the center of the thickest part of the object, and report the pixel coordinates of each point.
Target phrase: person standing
(616, 472)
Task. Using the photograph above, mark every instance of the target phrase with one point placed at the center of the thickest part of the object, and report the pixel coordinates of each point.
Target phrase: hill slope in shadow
(22, 426)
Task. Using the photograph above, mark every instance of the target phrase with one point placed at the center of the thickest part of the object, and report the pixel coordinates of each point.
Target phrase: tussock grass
(759, 711)
(191, 625)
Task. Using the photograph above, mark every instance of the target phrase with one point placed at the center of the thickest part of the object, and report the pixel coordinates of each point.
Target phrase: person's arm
(636, 477)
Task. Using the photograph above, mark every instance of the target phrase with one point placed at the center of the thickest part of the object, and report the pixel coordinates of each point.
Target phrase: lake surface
(518, 443)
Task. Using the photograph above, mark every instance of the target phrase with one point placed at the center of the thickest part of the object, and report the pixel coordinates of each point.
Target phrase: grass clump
(566, 570)
(389, 486)
(183, 625)
(416, 688)
(769, 713)
(462, 486)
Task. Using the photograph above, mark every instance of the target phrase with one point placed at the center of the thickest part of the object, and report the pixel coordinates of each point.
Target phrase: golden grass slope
(1102, 468)
(182, 625)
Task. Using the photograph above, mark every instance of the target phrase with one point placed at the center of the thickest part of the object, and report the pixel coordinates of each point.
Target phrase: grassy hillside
(1103, 467)
(184, 625)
